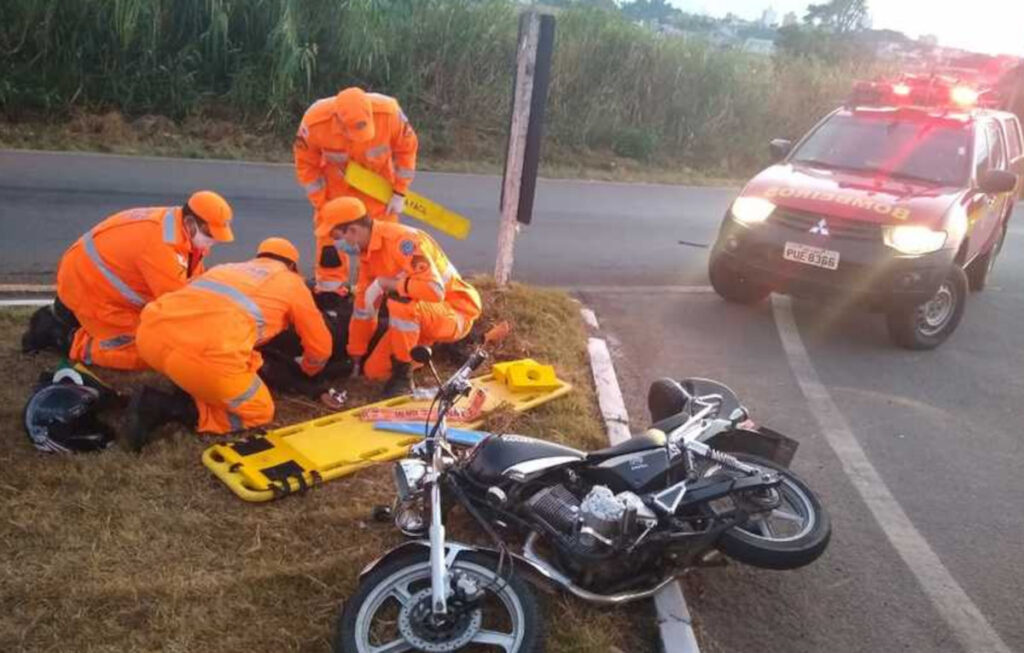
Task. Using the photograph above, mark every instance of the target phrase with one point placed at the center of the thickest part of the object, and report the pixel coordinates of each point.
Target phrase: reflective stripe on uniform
(315, 186)
(336, 157)
(169, 227)
(405, 173)
(404, 325)
(248, 394)
(117, 341)
(449, 274)
(328, 286)
(362, 314)
(235, 422)
(437, 288)
(376, 151)
(237, 296)
(90, 249)
(88, 351)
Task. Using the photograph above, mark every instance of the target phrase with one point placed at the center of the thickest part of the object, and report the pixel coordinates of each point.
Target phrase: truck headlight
(913, 239)
(752, 210)
(409, 475)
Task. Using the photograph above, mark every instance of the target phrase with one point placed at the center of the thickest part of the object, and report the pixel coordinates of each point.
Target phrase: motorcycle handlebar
(456, 383)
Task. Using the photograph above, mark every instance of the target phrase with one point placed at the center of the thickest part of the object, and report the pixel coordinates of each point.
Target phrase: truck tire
(733, 286)
(927, 326)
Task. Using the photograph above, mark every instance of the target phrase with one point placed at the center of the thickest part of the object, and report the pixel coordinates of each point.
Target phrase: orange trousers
(415, 323)
(229, 394)
(108, 341)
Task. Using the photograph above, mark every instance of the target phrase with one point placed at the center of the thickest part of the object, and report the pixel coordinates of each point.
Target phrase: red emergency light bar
(934, 91)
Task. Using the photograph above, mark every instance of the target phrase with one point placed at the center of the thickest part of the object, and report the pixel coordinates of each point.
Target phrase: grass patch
(196, 138)
(116, 552)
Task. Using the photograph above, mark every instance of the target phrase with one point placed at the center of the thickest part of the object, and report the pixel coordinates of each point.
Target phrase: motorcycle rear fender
(535, 574)
(761, 441)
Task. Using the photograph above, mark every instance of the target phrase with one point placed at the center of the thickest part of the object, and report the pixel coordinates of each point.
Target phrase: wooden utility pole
(526, 59)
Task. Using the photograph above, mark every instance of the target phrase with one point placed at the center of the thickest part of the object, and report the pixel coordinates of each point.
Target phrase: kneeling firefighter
(106, 278)
(427, 301)
(204, 338)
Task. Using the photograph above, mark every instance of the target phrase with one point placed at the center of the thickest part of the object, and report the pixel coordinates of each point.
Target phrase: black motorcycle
(609, 526)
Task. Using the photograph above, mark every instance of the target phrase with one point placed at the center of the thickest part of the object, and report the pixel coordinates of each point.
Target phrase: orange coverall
(434, 304)
(322, 152)
(204, 336)
(114, 270)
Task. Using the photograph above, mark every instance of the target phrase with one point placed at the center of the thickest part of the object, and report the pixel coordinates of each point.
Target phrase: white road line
(590, 318)
(27, 287)
(12, 303)
(675, 625)
(674, 290)
(950, 600)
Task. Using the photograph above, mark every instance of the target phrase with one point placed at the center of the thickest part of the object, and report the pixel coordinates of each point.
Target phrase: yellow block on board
(416, 205)
(526, 374)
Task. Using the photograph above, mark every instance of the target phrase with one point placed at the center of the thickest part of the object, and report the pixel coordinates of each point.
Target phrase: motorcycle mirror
(497, 333)
(421, 354)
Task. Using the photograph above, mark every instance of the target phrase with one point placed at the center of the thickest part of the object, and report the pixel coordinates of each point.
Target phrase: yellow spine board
(292, 458)
(416, 205)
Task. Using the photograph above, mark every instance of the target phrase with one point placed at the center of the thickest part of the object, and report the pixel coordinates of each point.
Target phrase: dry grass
(116, 552)
(218, 139)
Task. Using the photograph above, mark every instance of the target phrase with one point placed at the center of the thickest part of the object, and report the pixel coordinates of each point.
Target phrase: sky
(989, 26)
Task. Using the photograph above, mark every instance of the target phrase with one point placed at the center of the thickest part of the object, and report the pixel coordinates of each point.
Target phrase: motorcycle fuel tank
(496, 455)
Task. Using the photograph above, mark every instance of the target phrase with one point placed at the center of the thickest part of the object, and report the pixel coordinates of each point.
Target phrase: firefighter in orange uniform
(203, 337)
(107, 277)
(371, 130)
(427, 300)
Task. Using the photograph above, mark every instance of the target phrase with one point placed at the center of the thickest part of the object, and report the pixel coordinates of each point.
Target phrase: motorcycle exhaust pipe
(542, 567)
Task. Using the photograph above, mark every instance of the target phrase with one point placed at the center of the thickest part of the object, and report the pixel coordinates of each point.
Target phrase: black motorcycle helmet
(61, 418)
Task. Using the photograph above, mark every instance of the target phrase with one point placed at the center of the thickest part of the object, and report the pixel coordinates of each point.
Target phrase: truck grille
(837, 227)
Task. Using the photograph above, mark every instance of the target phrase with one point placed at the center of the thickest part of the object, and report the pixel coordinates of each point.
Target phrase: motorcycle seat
(652, 439)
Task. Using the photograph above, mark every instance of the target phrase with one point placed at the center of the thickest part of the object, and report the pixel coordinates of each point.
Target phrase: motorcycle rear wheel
(381, 615)
(792, 535)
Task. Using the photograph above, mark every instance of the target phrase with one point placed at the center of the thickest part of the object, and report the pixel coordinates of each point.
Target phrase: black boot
(151, 408)
(47, 331)
(400, 381)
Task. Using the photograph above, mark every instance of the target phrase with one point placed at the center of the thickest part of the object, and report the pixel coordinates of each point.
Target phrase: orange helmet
(339, 211)
(281, 247)
(215, 211)
(353, 107)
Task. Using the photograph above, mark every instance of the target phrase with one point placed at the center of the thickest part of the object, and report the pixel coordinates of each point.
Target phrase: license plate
(809, 255)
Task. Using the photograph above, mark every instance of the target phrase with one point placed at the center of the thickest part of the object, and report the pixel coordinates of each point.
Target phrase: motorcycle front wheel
(794, 533)
(391, 610)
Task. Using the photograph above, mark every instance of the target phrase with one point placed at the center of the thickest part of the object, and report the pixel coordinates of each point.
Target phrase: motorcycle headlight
(752, 210)
(913, 239)
(409, 476)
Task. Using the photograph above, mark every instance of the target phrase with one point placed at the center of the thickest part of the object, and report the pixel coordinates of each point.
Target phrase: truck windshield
(929, 151)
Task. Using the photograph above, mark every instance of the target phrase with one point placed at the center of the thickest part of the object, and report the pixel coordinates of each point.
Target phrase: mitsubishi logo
(821, 228)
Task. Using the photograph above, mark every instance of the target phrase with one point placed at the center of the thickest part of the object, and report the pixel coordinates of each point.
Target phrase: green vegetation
(616, 87)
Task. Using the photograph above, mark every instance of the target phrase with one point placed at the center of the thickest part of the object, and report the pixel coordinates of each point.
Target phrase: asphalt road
(579, 235)
(943, 429)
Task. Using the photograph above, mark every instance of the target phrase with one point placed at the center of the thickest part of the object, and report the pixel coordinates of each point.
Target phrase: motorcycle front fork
(438, 568)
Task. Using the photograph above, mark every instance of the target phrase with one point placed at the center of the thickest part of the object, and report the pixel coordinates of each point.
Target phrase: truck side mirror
(779, 148)
(997, 181)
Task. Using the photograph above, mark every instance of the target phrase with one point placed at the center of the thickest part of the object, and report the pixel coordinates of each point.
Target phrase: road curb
(675, 625)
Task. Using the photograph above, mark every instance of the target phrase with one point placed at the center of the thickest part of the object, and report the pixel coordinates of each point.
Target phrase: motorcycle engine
(602, 519)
